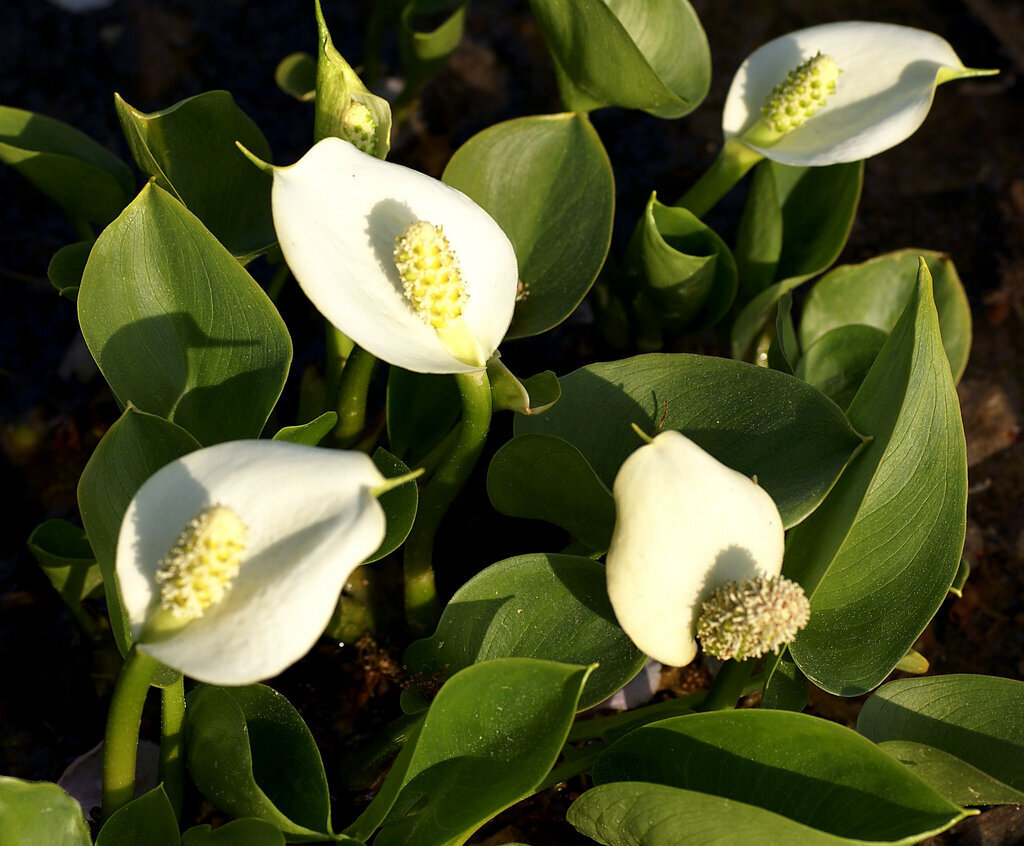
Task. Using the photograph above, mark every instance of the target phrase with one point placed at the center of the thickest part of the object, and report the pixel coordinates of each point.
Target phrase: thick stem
(172, 746)
(421, 606)
(729, 168)
(727, 687)
(353, 385)
(121, 741)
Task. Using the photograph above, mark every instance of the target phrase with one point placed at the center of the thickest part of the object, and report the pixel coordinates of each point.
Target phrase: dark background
(957, 186)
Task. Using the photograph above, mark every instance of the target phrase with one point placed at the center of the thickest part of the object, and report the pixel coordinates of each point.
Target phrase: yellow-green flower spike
(202, 563)
(801, 94)
(430, 274)
(749, 618)
(359, 126)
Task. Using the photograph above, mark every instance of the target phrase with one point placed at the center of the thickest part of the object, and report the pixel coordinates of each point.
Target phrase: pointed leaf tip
(266, 167)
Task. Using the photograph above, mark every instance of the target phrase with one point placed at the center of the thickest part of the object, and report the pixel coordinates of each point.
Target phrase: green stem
(727, 687)
(421, 605)
(599, 726)
(572, 767)
(277, 283)
(339, 345)
(121, 741)
(172, 752)
(729, 168)
(353, 385)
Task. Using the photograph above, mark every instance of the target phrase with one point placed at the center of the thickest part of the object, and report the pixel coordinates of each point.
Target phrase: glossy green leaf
(837, 362)
(874, 293)
(250, 753)
(548, 183)
(805, 769)
(84, 178)
(546, 606)
(757, 421)
(786, 688)
(652, 56)
(246, 832)
(681, 266)
(190, 150)
(399, 504)
(784, 350)
(979, 719)
(542, 477)
(533, 395)
(421, 409)
(429, 32)
(814, 208)
(296, 75)
(67, 559)
(178, 327)
(150, 819)
(488, 740)
(310, 433)
(66, 267)
(878, 557)
(37, 812)
(951, 777)
(131, 451)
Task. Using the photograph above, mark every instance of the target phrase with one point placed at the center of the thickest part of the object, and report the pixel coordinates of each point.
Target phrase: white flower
(412, 270)
(888, 75)
(231, 559)
(685, 524)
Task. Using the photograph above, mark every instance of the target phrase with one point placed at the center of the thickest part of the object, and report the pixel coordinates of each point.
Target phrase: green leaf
(837, 362)
(548, 183)
(541, 477)
(533, 395)
(310, 433)
(425, 51)
(786, 688)
(874, 293)
(963, 572)
(178, 327)
(421, 409)
(131, 451)
(878, 557)
(681, 266)
(66, 267)
(951, 777)
(36, 812)
(488, 740)
(784, 350)
(805, 769)
(546, 606)
(814, 208)
(250, 753)
(399, 504)
(979, 719)
(67, 559)
(190, 150)
(150, 819)
(247, 832)
(85, 179)
(652, 56)
(296, 75)
(757, 421)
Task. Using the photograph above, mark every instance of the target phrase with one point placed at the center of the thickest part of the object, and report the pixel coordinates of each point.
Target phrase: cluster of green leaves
(848, 418)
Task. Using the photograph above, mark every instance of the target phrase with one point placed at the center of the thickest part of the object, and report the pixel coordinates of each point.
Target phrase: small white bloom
(685, 524)
(412, 270)
(231, 559)
(888, 75)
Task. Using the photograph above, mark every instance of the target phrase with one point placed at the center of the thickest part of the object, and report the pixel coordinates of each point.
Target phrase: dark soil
(956, 186)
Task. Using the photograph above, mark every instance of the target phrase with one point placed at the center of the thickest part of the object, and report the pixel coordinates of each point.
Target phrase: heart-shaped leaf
(66, 267)
(64, 553)
(757, 421)
(247, 832)
(546, 606)
(533, 395)
(178, 327)
(399, 504)
(150, 819)
(837, 362)
(548, 183)
(37, 812)
(878, 557)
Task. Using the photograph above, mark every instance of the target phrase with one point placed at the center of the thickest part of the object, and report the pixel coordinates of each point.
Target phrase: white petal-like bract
(685, 524)
(311, 518)
(338, 211)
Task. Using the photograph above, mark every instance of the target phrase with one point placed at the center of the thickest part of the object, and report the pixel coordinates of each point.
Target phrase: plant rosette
(231, 559)
(412, 270)
(838, 92)
(697, 548)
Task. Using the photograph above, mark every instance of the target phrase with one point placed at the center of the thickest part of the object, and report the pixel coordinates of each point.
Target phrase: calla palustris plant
(224, 564)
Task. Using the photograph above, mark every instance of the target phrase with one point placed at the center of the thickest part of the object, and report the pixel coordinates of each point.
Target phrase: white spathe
(312, 518)
(888, 79)
(685, 524)
(337, 212)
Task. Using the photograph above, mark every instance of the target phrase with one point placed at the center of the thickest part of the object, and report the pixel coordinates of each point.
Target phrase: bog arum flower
(688, 530)
(877, 79)
(412, 270)
(231, 559)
